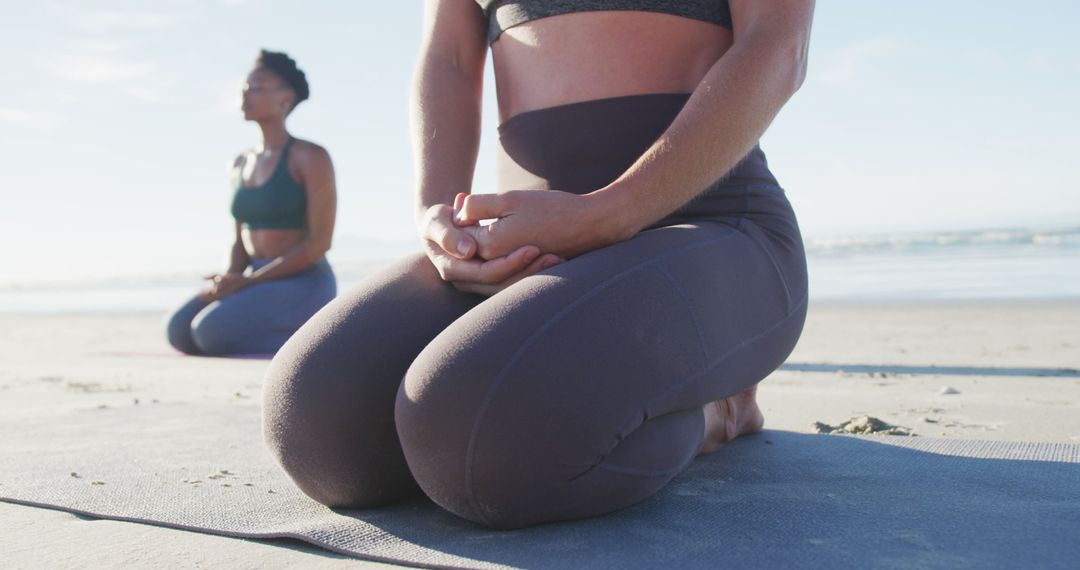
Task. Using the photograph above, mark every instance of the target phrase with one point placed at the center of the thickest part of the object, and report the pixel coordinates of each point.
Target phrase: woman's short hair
(285, 67)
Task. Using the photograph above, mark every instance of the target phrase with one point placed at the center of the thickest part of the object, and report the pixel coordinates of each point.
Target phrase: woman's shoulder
(309, 161)
(307, 150)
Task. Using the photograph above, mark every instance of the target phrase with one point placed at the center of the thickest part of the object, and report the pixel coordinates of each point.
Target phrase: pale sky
(117, 120)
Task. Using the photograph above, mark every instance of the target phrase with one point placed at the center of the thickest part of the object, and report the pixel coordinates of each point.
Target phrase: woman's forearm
(721, 122)
(445, 125)
(238, 258)
(296, 259)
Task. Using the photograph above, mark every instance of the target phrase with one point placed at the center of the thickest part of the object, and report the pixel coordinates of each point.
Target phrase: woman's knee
(503, 472)
(329, 392)
(215, 332)
(178, 331)
(328, 425)
(522, 460)
(492, 464)
(236, 325)
(178, 334)
(509, 428)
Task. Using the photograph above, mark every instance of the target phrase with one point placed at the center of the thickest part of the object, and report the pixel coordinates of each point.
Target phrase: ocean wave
(1065, 238)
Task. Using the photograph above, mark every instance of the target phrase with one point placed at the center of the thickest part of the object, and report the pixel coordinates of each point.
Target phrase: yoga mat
(777, 499)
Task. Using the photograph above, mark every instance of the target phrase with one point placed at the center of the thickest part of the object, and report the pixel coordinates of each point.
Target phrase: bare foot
(730, 418)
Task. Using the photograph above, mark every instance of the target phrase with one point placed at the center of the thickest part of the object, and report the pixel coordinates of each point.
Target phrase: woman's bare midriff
(266, 243)
(595, 55)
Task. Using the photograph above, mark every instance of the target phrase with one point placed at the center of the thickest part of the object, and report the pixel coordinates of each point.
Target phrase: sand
(999, 370)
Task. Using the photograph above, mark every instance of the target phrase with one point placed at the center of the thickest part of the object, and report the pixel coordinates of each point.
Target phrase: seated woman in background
(284, 205)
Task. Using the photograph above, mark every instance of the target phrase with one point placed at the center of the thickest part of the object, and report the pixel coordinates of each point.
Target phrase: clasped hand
(221, 285)
(532, 231)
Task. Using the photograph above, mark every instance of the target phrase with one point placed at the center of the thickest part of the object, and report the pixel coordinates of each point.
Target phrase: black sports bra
(504, 14)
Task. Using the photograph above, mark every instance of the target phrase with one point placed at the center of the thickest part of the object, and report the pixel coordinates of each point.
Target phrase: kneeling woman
(284, 207)
(642, 272)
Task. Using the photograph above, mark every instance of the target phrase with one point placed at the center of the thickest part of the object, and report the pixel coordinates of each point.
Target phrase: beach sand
(996, 370)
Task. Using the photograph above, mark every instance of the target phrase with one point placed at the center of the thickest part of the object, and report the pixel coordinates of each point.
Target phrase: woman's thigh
(329, 392)
(578, 390)
(260, 318)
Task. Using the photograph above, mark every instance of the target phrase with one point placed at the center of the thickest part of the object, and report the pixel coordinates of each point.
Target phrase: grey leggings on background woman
(574, 392)
(255, 320)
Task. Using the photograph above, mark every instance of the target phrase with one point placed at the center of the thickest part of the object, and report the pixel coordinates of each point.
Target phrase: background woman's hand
(221, 285)
(452, 251)
(560, 223)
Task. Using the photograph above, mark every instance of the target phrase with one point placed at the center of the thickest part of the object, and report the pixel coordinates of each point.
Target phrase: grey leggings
(255, 320)
(575, 392)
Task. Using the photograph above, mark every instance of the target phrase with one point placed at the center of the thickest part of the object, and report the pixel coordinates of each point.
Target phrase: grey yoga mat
(778, 499)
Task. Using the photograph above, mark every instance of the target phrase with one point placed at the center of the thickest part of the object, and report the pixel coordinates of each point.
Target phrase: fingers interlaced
(486, 272)
(540, 263)
(452, 240)
(476, 207)
(440, 230)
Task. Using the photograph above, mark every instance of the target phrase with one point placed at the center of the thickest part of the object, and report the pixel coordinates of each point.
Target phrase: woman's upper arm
(317, 174)
(455, 32)
(779, 25)
(235, 175)
(237, 165)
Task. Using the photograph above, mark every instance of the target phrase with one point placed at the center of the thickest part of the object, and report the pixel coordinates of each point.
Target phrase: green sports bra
(279, 203)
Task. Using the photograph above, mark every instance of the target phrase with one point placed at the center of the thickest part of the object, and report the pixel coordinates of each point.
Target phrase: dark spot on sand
(95, 387)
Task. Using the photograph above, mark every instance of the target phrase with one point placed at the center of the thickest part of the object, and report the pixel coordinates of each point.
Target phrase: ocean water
(1008, 263)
